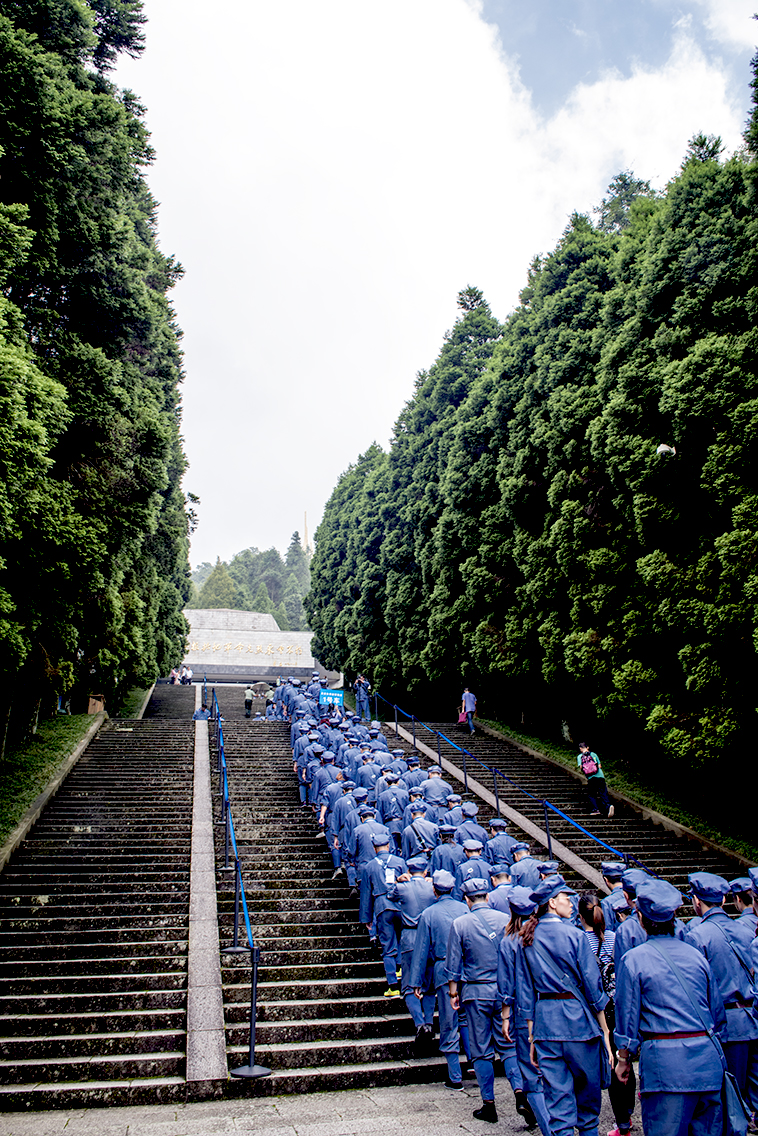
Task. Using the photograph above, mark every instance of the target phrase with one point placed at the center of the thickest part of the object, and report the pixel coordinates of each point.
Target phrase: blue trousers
(361, 706)
(387, 925)
(572, 1080)
(486, 1039)
(682, 1114)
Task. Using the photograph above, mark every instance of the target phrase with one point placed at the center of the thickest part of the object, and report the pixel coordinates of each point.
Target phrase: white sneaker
(611, 811)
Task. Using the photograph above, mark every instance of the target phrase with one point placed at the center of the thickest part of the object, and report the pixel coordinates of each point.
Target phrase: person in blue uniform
(420, 836)
(350, 819)
(415, 774)
(341, 808)
(472, 955)
(469, 829)
(454, 813)
(378, 911)
(742, 897)
(719, 939)
(666, 1001)
(524, 870)
(448, 854)
(430, 953)
(391, 806)
(361, 846)
(361, 686)
(612, 871)
(631, 933)
(398, 764)
(472, 866)
(499, 848)
(499, 897)
(413, 896)
(514, 1026)
(436, 790)
(560, 996)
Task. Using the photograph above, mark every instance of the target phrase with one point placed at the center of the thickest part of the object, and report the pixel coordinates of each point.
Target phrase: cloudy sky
(331, 174)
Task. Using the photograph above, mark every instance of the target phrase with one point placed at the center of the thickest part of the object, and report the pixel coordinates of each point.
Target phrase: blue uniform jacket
(467, 869)
(419, 838)
(391, 805)
(650, 999)
(453, 816)
(472, 951)
(733, 980)
(432, 936)
(611, 922)
(561, 948)
(629, 934)
(498, 849)
(412, 897)
(378, 878)
(343, 807)
(498, 898)
(436, 791)
(447, 856)
(525, 873)
(360, 846)
(470, 830)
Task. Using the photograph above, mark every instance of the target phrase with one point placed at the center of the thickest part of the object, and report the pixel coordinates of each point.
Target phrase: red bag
(462, 718)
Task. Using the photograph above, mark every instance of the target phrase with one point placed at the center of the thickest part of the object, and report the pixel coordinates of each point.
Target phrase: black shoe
(523, 1108)
(468, 1073)
(423, 1043)
(456, 1086)
(487, 1112)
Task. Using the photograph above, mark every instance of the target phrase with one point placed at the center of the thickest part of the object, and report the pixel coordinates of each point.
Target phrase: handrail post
(547, 831)
(465, 773)
(494, 782)
(439, 755)
(376, 708)
(235, 948)
(413, 719)
(251, 1069)
(397, 732)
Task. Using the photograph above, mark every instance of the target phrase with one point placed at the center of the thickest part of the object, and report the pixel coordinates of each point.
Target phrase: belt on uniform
(745, 1003)
(552, 997)
(667, 1036)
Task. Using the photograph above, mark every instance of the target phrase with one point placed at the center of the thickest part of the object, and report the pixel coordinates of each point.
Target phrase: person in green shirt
(589, 763)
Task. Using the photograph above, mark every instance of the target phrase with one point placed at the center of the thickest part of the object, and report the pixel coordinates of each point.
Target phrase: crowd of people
(565, 990)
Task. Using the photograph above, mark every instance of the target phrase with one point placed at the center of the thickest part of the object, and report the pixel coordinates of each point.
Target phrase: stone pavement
(412, 1110)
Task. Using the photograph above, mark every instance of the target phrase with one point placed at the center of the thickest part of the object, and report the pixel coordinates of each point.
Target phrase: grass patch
(620, 777)
(26, 770)
(132, 703)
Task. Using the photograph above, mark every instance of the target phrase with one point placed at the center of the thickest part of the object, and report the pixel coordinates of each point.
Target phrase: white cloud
(731, 22)
(331, 175)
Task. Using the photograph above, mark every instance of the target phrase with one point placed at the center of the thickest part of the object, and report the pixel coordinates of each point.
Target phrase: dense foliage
(527, 534)
(93, 521)
(258, 581)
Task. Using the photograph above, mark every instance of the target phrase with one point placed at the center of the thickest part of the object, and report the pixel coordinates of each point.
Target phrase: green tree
(219, 590)
(262, 601)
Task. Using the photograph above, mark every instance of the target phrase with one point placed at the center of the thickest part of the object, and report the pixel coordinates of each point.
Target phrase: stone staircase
(94, 912)
(657, 848)
(323, 1020)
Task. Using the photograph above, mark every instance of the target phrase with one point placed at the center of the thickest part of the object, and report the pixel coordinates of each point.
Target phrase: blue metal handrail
(251, 1070)
(625, 856)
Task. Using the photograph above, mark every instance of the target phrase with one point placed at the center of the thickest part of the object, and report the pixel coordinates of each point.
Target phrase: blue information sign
(335, 697)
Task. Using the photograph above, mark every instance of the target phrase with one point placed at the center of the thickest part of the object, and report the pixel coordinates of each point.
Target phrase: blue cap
(348, 784)
(658, 900)
(753, 873)
(360, 794)
(550, 886)
(417, 806)
(501, 869)
(469, 809)
(631, 880)
(742, 883)
(520, 901)
(367, 810)
(318, 748)
(520, 846)
(453, 798)
(418, 863)
(391, 777)
(443, 881)
(380, 837)
(435, 769)
(497, 822)
(475, 885)
(472, 845)
(447, 829)
(547, 867)
(328, 756)
(398, 753)
(708, 887)
(613, 869)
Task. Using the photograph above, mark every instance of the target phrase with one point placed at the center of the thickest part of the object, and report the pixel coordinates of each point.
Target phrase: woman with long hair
(593, 924)
(515, 1026)
(560, 996)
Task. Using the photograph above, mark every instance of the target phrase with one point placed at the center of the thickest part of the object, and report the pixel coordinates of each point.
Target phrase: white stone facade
(242, 642)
